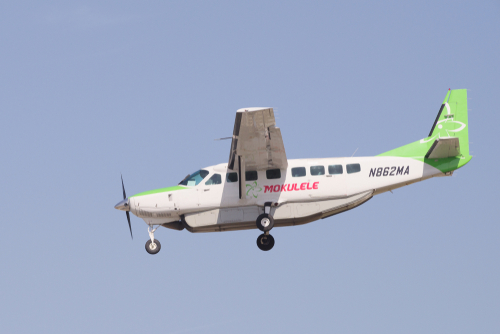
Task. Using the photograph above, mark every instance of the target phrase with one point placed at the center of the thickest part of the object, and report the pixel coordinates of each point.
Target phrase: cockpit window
(214, 179)
(194, 179)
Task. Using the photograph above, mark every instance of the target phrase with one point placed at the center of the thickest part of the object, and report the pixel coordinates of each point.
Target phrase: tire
(265, 222)
(265, 242)
(150, 249)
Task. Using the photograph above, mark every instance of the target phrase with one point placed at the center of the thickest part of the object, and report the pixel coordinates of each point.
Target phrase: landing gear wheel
(153, 248)
(265, 242)
(265, 222)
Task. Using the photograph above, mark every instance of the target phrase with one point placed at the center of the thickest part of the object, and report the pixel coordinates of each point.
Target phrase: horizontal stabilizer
(444, 148)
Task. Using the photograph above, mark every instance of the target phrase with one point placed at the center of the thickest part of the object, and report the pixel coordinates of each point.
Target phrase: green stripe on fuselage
(162, 190)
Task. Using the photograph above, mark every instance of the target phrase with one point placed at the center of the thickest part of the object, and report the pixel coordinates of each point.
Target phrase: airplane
(259, 188)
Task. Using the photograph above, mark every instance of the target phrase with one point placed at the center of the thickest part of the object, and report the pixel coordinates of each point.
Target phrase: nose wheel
(153, 246)
(265, 241)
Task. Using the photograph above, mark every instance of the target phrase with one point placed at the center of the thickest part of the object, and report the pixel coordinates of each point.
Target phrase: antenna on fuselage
(354, 152)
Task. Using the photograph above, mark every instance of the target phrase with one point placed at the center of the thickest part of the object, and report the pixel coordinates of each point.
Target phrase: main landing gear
(265, 223)
(153, 246)
(265, 241)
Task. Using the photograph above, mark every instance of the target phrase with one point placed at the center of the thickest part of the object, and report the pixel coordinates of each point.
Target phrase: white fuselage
(295, 199)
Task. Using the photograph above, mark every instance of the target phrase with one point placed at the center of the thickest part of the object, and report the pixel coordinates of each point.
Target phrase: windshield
(194, 179)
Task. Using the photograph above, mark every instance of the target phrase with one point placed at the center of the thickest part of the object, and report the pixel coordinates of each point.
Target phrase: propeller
(127, 212)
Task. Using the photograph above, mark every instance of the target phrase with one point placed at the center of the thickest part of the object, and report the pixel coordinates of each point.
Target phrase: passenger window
(353, 168)
(317, 170)
(298, 171)
(273, 174)
(251, 176)
(335, 169)
(232, 177)
(215, 179)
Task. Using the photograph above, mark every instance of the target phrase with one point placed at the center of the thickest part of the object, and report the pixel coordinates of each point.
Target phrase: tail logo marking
(445, 126)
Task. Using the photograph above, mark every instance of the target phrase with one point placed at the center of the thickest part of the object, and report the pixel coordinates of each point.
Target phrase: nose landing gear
(153, 246)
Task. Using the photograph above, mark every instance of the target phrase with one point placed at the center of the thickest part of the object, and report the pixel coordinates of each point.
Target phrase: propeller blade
(123, 187)
(128, 214)
(129, 226)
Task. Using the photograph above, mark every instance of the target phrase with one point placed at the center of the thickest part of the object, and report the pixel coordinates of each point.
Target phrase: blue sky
(92, 89)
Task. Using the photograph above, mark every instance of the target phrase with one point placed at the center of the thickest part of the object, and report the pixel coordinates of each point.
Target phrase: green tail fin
(451, 122)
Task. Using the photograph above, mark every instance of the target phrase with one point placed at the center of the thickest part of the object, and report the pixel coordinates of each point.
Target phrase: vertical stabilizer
(452, 120)
(448, 138)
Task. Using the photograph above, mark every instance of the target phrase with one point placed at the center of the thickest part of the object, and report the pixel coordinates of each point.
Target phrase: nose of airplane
(123, 205)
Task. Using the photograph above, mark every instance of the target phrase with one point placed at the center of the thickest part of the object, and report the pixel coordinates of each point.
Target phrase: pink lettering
(295, 187)
(288, 187)
(308, 186)
(268, 188)
(277, 188)
(303, 186)
(283, 188)
(315, 185)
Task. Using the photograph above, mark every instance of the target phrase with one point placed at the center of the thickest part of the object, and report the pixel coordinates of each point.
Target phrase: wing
(257, 143)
